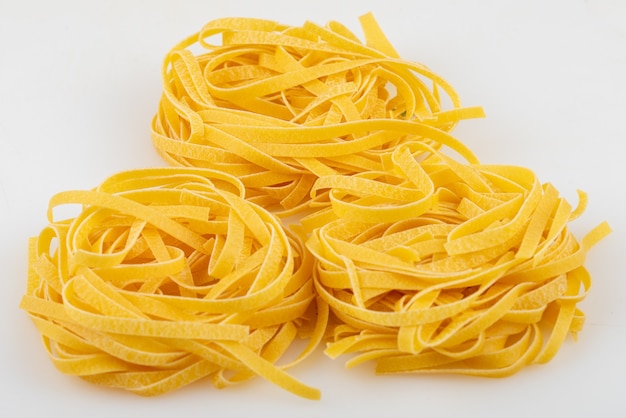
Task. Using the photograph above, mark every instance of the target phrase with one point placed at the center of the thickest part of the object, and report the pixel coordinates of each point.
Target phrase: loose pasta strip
(439, 266)
(167, 276)
(279, 106)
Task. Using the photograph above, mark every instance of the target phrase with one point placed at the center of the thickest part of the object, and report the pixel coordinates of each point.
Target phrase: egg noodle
(166, 276)
(449, 267)
(278, 106)
(316, 192)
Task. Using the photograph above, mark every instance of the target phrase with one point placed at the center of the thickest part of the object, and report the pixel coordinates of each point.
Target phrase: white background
(80, 82)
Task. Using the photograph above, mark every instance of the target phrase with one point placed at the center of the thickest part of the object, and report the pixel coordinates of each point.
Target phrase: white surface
(80, 83)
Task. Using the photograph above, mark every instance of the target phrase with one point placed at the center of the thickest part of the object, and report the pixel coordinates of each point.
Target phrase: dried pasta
(399, 253)
(439, 266)
(279, 106)
(167, 276)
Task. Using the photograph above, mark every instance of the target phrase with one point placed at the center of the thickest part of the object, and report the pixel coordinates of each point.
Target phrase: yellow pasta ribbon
(167, 276)
(279, 106)
(439, 266)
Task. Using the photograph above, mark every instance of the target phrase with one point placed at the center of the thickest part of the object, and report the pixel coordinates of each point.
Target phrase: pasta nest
(437, 266)
(167, 276)
(279, 106)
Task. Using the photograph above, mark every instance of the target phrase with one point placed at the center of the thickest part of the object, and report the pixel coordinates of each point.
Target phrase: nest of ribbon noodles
(438, 266)
(279, 106)
(167, 276)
